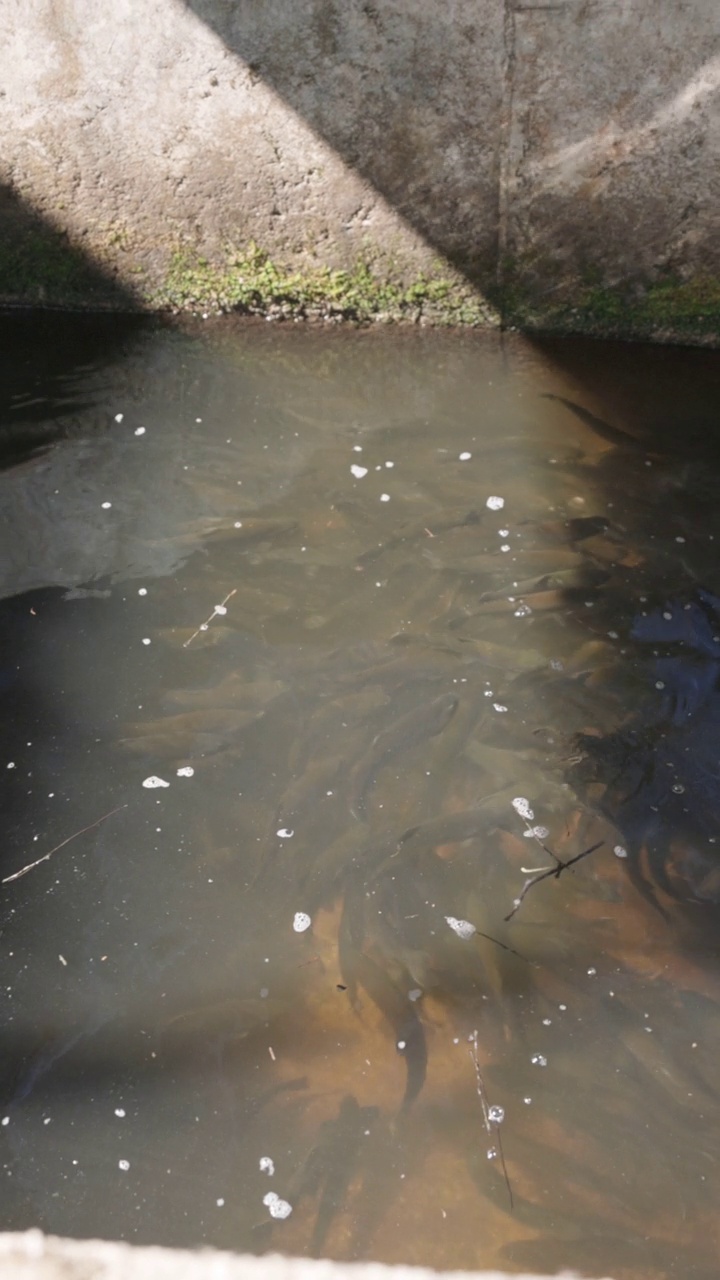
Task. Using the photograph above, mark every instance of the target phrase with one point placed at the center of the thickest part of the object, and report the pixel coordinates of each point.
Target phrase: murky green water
(345, 597)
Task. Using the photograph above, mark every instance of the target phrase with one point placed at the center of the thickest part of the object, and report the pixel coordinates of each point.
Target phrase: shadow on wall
(374, 83)
(40, 266)
(530, 144)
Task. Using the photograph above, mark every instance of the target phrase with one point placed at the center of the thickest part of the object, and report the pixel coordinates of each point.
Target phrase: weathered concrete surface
(562, 158)
(32, 1256)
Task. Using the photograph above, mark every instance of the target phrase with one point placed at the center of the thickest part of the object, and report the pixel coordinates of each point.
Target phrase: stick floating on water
(544, 873)
(31, 865)
(492, 1116)
(218, 612)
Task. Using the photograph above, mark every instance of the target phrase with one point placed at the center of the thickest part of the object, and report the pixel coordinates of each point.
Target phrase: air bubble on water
(620, 851)
(120, 1113)
(357, 448)
(106, 505)
(538, 1060)
(496, 1114)
(220, 1202)
(547, 1022)
(119, 417)
(659, 684)
(465, 457)
(139, 431)
(463, 928)
(503, 533)
(402, 1046)
(384, 497)
(147, 640)
(5, 1120)
(492, 1153)
(613, 635)
(186, 771)
(285, 833)
(124, 1165)
(142, 591)
(267, 1165)
(536, 833)
(678, 788)
(358, 471)
(679, 539)
(527, 1101)
(592, 972)
(220, 609)
(522, 806)
(301, 921)
(523, 611)
(505, 546)
(153, 781)
(389, 464)
(499, 707)
(495, 504)
(415, 994)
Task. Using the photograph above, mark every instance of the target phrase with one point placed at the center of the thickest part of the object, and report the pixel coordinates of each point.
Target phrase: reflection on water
(353, 636)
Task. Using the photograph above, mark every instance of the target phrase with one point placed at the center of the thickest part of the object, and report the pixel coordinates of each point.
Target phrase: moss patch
(40, 266)
(669, 308)
(251, 283)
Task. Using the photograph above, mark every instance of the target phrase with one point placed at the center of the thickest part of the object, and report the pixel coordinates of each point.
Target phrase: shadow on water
(45, 393)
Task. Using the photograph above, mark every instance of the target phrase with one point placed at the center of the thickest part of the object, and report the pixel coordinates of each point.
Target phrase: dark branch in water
(546, 872)
(31, 865)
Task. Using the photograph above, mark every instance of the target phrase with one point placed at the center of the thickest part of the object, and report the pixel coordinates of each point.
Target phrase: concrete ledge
(31, 1255)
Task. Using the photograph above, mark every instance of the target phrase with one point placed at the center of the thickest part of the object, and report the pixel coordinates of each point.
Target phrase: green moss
(667, 308)
(40, 265)
(252, 283)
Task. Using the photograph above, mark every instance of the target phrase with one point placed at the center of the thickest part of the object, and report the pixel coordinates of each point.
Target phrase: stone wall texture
(541, 153)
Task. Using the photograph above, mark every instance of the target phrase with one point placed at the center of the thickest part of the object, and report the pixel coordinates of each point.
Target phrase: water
(263, 567)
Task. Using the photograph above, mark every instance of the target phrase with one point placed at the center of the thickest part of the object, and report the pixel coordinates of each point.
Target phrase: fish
(235, 691)
(417, 725)
(189, 733)
(614, 435)
(415, 531)
(402, 1017)
(242, 530)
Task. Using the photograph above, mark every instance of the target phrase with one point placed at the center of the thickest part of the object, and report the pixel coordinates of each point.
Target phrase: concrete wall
(554, 159)
(32, 1256)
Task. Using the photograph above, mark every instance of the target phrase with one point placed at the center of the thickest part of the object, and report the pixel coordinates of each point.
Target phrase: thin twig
(31, 865)
(546, 872)
(217, 611)
(491, 1126)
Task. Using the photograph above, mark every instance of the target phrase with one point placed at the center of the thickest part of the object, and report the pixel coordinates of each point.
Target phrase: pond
(360, 747)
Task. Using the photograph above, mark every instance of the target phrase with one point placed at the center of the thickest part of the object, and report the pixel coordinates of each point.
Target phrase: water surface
(348, 596)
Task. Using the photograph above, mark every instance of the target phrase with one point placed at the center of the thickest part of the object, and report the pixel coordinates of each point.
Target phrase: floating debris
(267, 1165)
(277, 1208)
(522, 806)
(358, 471)
(153, 782)
(301, 921)
(463, 928)
(495, 504)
